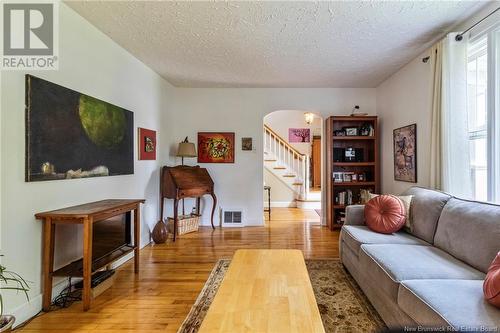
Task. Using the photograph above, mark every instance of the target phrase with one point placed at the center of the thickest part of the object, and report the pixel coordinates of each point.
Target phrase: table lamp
(186, 149)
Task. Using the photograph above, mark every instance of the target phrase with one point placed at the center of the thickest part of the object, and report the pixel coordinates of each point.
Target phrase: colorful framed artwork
(147, 144)
(216, 147)
(246, 144)
(73, 135)
(299, 135)
(405, 153)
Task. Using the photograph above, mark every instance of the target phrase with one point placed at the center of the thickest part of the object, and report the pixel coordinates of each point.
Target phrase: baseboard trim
(205, 222)
(282, 204)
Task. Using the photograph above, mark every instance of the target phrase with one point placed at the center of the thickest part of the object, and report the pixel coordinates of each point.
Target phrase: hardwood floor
(172, 275)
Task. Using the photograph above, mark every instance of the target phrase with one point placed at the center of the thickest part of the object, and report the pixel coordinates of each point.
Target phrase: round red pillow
(385, 214)
(491, 285)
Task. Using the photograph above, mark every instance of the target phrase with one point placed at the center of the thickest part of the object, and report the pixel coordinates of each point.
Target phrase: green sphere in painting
(103, 123)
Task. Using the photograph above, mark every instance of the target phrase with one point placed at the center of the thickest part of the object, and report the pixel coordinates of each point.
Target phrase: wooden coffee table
(264, 291)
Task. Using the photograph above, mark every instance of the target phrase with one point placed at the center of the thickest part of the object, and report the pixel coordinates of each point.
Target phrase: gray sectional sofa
(431, 276)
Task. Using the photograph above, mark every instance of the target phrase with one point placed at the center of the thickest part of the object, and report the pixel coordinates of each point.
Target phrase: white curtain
(436, 174)
(455, 166)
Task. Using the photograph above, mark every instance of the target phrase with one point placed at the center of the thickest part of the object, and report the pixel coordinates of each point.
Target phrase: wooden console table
(85, 214)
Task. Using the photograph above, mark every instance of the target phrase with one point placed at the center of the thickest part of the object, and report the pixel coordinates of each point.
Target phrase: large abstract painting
(72, 135)
(405, 153)
(216, 147)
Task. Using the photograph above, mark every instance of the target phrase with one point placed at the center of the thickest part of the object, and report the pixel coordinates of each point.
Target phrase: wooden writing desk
(183, 181)
(85, 214)
(264, 291)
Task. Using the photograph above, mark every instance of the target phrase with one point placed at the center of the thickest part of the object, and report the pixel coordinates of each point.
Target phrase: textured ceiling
(274, 44)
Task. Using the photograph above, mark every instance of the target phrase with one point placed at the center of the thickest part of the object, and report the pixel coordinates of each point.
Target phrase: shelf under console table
(86, 214)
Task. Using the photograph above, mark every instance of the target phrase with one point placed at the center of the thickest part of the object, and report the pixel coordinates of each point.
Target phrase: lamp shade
(186, 149)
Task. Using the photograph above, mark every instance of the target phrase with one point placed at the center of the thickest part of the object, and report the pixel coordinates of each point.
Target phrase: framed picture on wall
(147, 144)
(246, 144)
(405, 153)
(298, 135)
(72, 135)
(216, 147)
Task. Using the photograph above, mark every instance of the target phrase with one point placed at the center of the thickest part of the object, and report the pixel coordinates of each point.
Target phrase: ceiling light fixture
(309, 117)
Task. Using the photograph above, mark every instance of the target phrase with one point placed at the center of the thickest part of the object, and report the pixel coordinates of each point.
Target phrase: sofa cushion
(426, 207)
(457, 303)
(470, 231)
(390, 264)
(491, 285)
(385, 214)
(354, 236)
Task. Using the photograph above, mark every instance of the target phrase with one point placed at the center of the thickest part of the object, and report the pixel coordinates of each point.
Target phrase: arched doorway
(292, 165)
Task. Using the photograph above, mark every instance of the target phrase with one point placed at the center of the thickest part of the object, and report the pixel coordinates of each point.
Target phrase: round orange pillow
(385, 214)
(491, 285)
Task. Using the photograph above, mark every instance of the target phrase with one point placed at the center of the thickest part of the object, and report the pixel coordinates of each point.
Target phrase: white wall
(406, 98)
(242, 111)
(92, 64)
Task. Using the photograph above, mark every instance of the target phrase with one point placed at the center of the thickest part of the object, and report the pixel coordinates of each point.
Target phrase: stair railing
(287, 156)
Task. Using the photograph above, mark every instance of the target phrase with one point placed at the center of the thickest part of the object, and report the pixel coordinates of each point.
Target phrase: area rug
(341, 303)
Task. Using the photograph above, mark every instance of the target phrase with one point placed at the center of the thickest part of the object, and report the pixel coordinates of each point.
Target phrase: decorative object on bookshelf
(339, 133)
(350, 131)
(356, 109)
(353, 164)
(353, 154)
(405, 153)
(366, 130)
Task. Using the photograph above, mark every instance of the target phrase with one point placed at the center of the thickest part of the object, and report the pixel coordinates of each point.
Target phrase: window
(483, 105)
(477, 80)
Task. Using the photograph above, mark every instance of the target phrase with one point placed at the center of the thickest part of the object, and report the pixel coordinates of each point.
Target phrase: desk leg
(137, 237)
(269, 202)
(213, 208)
(48, 262)
(87, 262)
(176, 216)
(198, 205)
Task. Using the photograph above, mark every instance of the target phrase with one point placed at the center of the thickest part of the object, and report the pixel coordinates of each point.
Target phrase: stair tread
(297, 184)
(279, 168)
(308, 200)
(289, 176)
(270, 160)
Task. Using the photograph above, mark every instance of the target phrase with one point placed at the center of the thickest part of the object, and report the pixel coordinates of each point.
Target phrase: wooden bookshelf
(368, 164)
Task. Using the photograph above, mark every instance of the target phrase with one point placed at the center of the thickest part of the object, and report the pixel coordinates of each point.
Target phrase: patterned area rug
(342, 304)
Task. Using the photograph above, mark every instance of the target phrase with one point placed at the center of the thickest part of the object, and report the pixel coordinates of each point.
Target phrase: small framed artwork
(338, 177)
(216, 147)
(351, 131)
(147, 144)
(246, 144)
(405, 153)
(299, 135)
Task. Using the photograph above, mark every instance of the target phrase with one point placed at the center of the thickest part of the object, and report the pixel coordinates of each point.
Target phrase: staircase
(287, 164)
